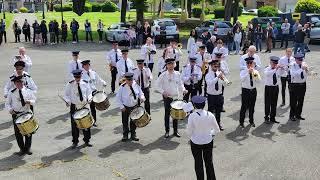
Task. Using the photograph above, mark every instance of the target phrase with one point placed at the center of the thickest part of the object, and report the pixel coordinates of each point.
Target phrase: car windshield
(266, 20)
(113, 26)
(168, 23)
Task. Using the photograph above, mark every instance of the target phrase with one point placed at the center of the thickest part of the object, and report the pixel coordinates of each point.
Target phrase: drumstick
(62, 99)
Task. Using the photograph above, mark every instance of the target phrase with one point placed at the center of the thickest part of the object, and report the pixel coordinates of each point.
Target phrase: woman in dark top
(26, 30)
(258, 32)
(64, 31)
(37, 32)
(44, 31)
(146, 31)
(16, 31)
(139, 33)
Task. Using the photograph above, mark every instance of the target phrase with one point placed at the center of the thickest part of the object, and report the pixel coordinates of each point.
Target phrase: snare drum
(26, 124)
(101, 101)
(83, 118)
(140, 117)
(176, 111)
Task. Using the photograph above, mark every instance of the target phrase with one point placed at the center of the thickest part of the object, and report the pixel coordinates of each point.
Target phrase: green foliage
(140, 4)
(65, 7)
(87, 7)
(109, 6)
(219, 12)
(23, 10)
(197, 10)
(96, 7)
(307, 6)
(267, 11)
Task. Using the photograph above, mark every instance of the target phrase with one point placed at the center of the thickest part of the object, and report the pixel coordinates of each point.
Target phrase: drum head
(177, 104)
(23, 118)
(99, 97)
(137, 113)
(81, 113)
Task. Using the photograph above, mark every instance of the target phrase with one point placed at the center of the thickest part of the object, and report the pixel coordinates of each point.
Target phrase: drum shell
(85, 122)
(178, 114)
(143, 120)
(28, 127)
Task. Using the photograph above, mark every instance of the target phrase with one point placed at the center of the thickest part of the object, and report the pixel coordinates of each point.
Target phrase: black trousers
(114, 72)
(215, 105)
(93, 109)
(192, 91)
(4, 34)
(177, 66)
(88, 33)
(248, 101)
(75, 130)
(44, 38)
(203, 153)
(146, 92)
(1, 37)
(284, 81)
(64, 35)
(167, 108)
(298, 91)
(17, 37)
(125, 122)
(75, 37)
(24, 145)
(100, 33)
(150, 66)
(57, 36)
(27, 36)
(270, 101)
(284, 38)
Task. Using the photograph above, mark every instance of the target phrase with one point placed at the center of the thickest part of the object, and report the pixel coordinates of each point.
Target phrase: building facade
(283, 5)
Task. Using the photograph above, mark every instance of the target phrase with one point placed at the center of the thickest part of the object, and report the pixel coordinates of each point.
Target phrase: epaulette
(123, 84)
(71, 81)
(134, 68)
(85, 81)
(198, 65)
(13, 90)
(185, 66)
(26, 75)
(11, 76)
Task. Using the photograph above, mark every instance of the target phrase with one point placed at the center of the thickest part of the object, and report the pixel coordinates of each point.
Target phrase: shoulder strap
(13, 90)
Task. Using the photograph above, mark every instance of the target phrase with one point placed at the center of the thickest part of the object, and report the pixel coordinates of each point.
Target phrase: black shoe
(176, 134)
(223, 110)
(221, 128)
(125, 138)
(88, 144)
(29, 152)
(253, 125)
(20, 153)
(266, 120)
(74, 145)
(274, 121)
(241, 125)
(166, 135)
(292, 118)
(95, 125)
(283, 104)
(134, 138)
(301, 118)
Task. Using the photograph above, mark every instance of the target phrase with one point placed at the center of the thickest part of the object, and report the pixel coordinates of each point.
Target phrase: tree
(235, 11)
(124, 4)
(140, 6)
(228, 10)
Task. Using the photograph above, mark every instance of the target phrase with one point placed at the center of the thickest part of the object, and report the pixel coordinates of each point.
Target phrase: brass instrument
(228, 83)
(122, 80)
(179, 46)
(204, 66)
(256, 75)
(111, 67)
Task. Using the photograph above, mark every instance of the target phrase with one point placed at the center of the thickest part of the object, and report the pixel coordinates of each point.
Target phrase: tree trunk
(189, 9)
(235, 11)
(159, 8)
(123, 10)
(139, 9)
(228, 10)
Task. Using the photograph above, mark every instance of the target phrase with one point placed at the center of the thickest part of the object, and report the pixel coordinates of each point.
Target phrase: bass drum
(101, 101)
(176, 111)
(83, 119)
(140, 117)
(26, 124)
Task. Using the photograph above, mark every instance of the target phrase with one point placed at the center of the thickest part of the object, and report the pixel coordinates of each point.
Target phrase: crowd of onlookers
(240, 38)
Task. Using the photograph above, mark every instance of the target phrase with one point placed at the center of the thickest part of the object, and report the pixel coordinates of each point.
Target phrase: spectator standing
(229, 41)
(205, 36)
(211, 44)
(295, 27)
(163, 35)
(51, 33)
(192, 47)
(87, 27)
(307, 30)
(64, 31)
(56, 30)
(237, 40)
(258, 33)
(16, 31)
(299, 40)
(146, 31)
(139, 31)
(285, 29)
(269, 35)
(74, 26)
(44, 32)
(100, 27)
(250, 30)
(274, 34)
(37, 33)
(132, 35)
(26, 30)
(3, 32)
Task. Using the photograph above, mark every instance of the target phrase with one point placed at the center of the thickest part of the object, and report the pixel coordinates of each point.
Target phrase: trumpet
(204, 66)
(179, 46)
(111, 67)
(150, 50)
(224, 79)
(122, 80)
(256, 75)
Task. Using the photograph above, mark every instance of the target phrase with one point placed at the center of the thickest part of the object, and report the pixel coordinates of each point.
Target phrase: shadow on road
(5, 125)
(64, 117)
(66, 155)
(239, 135)
(11, 162)
(236, 98)
(281, 111)
(291, 127)
(67, 134)
(5, 144)
(264, 131)
(2, 106)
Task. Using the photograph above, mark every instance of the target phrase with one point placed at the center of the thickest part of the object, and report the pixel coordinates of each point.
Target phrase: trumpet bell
(179, 46)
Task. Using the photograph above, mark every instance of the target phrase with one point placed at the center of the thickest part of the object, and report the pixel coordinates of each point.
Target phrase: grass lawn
(9, 18)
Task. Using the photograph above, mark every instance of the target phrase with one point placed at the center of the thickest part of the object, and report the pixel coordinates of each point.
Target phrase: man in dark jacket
(299, 40)
(74, 26)
(44, 31)
(56, 30)
(51, 32)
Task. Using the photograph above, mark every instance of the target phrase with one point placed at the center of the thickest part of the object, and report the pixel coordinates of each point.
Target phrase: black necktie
(125, 63)
(302, 76)
(142, 80)
(274, 79)
(23, 103)
(202, 57)
(116, 56)
(174, 52)
(77, 65)
(192, 69)
(251, 81)
(133, 93)
(216, 85)
(80, 92)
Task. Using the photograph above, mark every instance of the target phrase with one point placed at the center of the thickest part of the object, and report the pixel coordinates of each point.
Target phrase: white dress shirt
(145, 53)
(202, 57)
(27, 60)
(73, 66)
(222, 50)
(111, 57)
(125, 95)
(27, 82)
(161, 65)
(243, 63)
(268, 76)
(71, 93)
(295, 72)
(192, 47)
(93, 79)
(170, 83)
(174, 53)
(186, 74)
(223, 67)
(211, 80)
(285, 62)
(202, 125)
(147, 76)
(245, 79)
(122, 68)
(14, 102)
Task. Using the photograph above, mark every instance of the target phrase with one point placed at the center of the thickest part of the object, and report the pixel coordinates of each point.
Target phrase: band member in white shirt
(170, 85)
(113, 56)
(148, 52)
(299, 73)
(124, 65)
(256, 59)
(285, 63)
(162, 63)
(203, 58)
(77, 95)
(220, 49)
(128, 97)
(143, 77)
(191, 75)
(18, 102)
(271, 90)
(249, 78)
(94, 81)
(174, 53)
(74, 64)
(25, 58)
(215, 82)
(202, 126)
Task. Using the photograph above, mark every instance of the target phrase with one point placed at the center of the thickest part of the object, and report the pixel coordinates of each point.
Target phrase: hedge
(96, 7)
(219, 11)
(109, 7)
(87, 7)
(197, 10)
(267, 11)
(307, 6)
(65, 7)
(23, 10)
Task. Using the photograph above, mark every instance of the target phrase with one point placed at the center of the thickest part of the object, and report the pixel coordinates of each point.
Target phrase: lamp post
(3, 11)
(43, 3)
(61, 11)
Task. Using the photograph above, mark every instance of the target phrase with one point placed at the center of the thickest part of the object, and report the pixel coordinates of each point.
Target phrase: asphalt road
(285, 151)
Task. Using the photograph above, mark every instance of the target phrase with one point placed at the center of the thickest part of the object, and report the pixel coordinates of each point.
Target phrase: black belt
(272, 86)
(215, 95)
(299, 84)
(249, 89)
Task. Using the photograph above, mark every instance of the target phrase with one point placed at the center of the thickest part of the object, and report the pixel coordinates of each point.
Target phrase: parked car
(221, 31)
(117, 32)
(171, 29)
(314, 19)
